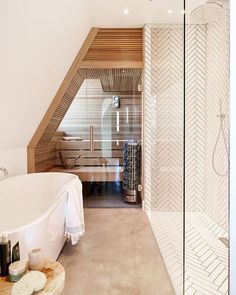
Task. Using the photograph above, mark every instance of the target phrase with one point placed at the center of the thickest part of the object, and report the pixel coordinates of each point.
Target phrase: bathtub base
(48, 234)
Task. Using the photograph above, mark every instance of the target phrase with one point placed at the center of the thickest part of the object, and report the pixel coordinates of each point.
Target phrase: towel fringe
(74, 237)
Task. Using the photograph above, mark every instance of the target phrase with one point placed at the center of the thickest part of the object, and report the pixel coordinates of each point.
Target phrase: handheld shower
(221, 131)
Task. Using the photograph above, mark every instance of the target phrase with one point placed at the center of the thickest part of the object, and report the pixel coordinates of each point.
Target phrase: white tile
(218, 271)
(213, 266)
(190, 291)
(225, 286)
(221, 278)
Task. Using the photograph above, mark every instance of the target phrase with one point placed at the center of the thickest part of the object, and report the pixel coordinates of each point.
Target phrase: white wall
(39, 40)
(15, 160)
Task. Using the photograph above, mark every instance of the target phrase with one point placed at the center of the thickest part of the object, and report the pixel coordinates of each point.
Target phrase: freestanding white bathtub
(32, 211)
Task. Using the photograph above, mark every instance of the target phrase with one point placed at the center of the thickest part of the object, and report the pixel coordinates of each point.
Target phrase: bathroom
(87, 81)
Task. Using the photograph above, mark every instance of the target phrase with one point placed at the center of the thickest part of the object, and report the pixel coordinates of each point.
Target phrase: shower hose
(221, 131)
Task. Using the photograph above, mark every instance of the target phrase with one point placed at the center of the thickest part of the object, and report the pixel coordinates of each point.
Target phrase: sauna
(95, 115)
(105, 113)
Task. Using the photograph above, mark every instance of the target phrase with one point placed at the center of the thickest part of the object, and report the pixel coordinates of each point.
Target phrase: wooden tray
(55, 274)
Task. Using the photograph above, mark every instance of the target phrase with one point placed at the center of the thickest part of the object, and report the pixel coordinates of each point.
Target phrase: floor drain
(225, 241)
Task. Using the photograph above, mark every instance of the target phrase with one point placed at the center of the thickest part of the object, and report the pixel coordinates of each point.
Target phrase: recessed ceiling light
(170, 11)
(126, 11)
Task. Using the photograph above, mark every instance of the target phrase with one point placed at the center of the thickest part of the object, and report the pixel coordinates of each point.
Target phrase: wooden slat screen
(45, 158)
(62, 108)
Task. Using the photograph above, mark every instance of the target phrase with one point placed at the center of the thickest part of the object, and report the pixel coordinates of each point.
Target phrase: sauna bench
(94, 173)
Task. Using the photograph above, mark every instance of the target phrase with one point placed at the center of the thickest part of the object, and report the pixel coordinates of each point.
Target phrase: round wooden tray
(55, 274)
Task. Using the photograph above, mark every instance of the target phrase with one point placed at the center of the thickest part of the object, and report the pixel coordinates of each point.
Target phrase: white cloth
(75, 226)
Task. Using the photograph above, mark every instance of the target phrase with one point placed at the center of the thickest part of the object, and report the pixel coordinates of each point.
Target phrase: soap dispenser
(5, 248)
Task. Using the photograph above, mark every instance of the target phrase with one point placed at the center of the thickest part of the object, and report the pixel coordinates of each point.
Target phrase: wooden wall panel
(45, 158)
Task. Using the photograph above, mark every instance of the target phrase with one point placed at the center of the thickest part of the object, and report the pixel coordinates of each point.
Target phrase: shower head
(207, 12)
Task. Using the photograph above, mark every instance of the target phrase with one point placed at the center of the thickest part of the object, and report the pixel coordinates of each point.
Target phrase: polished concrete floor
(117, 256)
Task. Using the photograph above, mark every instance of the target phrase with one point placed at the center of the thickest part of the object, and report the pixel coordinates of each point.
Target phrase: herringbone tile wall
(163, 118)
(195, 116)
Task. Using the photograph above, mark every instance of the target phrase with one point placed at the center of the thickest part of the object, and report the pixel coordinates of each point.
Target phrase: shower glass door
(206, 147)
(164, 133)
(113, 116)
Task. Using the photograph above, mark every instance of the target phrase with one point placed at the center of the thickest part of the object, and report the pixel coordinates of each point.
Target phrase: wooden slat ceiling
(116, 45)
(116, 80)
(121, 80)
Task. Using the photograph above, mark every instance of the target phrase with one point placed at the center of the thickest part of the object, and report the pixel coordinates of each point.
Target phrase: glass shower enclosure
(186, 141)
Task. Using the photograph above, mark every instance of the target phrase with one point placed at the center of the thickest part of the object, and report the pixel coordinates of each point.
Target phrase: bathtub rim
(51, 208)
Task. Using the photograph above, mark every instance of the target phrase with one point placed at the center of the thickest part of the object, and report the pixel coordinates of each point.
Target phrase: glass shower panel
(163, 133)
(206, 147)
